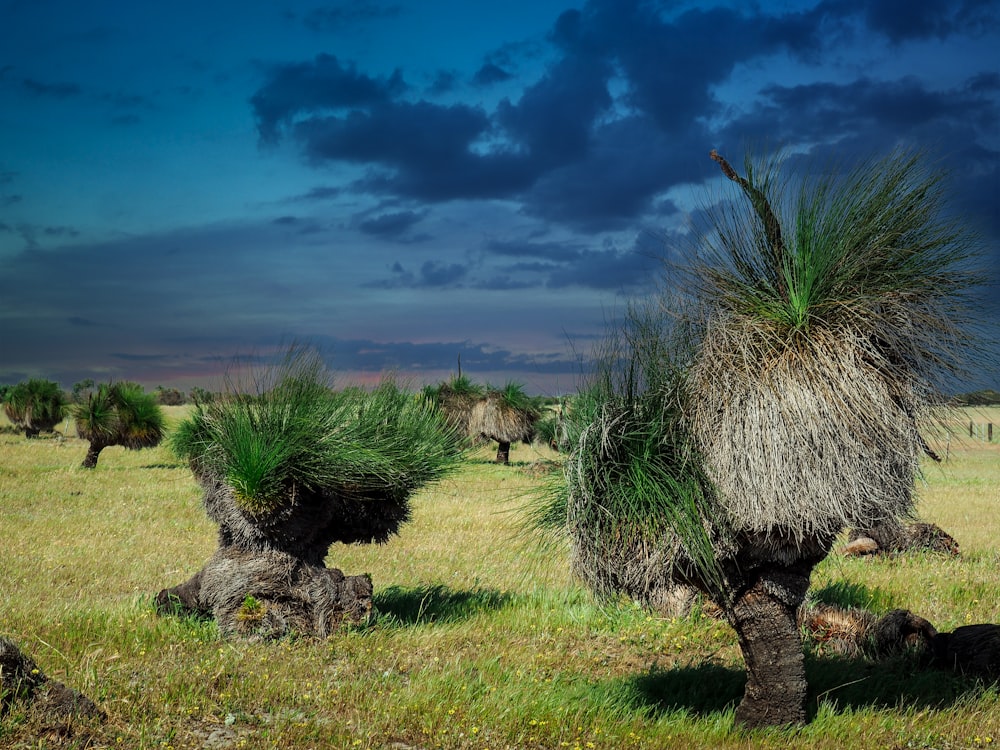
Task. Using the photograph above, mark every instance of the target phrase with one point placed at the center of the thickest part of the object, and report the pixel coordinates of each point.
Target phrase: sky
(410, 184)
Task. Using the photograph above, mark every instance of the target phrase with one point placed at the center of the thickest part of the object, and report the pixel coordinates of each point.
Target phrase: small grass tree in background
(289, 467)
(729, 447)
(119, 413)
(35, 405)
(455, 398)
(506, 415)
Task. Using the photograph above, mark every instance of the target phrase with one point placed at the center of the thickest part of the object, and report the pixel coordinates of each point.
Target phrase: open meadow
(483, 639)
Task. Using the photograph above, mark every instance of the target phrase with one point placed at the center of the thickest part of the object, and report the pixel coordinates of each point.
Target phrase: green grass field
(483, 640)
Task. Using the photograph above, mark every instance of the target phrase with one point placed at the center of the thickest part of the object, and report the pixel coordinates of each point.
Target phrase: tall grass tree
(118, 413)
(35, 406)
(730, 447)
(289, 467)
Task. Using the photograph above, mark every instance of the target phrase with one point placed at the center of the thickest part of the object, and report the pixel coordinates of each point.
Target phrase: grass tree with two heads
(119, 413)
(35, 405)
(290, 466)
(730, 445)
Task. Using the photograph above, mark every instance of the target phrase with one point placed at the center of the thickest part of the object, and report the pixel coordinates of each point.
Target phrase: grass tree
(736, 435)
(289, 467)
(35, 405)
(506, 415)
(456, 398)
(119, 413)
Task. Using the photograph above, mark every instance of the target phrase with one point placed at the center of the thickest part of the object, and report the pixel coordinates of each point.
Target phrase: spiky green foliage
(636, 503)
(35, 405)
(295, 431)
(871, 250)
(119, 413)
(832, 311)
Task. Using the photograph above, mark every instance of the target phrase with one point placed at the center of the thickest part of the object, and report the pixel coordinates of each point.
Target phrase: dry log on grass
(897, 537)
(853, 632)
(22, 680)
(971, 650)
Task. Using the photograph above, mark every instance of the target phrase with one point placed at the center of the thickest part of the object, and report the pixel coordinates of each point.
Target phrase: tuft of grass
(295, 431)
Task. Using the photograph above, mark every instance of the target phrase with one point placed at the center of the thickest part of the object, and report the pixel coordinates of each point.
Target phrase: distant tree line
(987, 397)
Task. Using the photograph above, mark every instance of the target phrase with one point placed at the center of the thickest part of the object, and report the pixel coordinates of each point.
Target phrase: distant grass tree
(505, 415)
(289, 467)
(119, 413)
(35, 405)
(731, 444)
(455, 399)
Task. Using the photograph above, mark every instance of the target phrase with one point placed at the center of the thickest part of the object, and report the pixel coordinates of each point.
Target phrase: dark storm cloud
(317, 194)
(902, 20)
(314, 86)
(553, 118)
(416, 150)
(565, 147)
(823, 109)
(629, 163)
(437, 274)
(572, 152)
(862, 118)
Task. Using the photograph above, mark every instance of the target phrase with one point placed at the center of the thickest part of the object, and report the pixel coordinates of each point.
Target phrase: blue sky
(405, 182)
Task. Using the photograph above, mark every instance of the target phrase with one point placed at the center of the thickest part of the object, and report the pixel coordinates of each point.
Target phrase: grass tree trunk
(764, 617)
(93, 452)
(268, 578)
(503, 452)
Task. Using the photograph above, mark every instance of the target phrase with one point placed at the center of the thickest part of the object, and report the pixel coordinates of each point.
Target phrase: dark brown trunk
(503, 453)
(93, 451)
(263, 594)
(268, 577)
(764, 617)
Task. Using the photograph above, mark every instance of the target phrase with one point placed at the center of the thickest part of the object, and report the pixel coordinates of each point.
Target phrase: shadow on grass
(696, 690)
(418, 605)
(897, 682)
(842, 684)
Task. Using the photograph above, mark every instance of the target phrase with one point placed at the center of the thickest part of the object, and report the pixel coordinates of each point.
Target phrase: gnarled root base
(265, 594)
(21, 679)
(764, 617)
